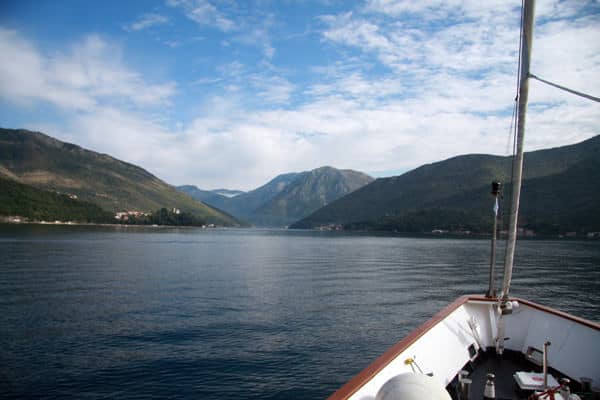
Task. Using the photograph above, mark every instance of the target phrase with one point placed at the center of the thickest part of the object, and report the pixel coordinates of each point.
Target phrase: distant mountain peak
(288, 196)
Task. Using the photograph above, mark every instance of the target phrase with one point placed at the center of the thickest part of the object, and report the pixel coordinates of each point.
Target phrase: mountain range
(45, 178)
(559, 193)
(45, 163)
(286, 198)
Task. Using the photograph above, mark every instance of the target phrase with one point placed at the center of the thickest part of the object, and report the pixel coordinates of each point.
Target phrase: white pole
(527, 38)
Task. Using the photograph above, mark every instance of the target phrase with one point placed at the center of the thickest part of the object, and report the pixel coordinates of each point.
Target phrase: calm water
(177, 313)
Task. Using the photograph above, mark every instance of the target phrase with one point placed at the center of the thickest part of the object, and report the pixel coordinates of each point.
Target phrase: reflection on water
(126, 313)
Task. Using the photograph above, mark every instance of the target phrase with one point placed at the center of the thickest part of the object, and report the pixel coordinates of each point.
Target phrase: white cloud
(346, 29)
(233, 70)
(557, 9)
(441, 9)
(458, 69)
(465, 46)
(264, 86)
(258, 37)
(353, 85)
(565, 53)
(204, 13)
(172, 43)
(269, 51)
(26, 77)
(146, 21)
(229, 145)
(273, 89)
(250, 29)
(91, 73)
(399, 93)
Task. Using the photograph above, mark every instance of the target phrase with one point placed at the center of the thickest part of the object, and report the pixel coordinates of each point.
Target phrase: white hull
(442, 345)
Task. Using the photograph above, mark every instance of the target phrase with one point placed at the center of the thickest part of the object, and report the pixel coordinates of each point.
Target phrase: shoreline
(7, 221)
(427, 235)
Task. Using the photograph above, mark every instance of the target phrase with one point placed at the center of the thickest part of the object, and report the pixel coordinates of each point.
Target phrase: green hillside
(17, 199)
(36, 159)
(307, 193)
(245, 206)
(558, 194)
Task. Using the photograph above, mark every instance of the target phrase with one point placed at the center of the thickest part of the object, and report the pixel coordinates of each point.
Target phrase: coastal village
(121, 218)
(125, 215)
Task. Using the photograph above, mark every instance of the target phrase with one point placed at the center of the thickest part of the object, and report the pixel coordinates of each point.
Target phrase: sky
(232, 93)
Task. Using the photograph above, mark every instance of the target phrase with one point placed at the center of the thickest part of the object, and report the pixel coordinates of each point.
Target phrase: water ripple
(179, 313)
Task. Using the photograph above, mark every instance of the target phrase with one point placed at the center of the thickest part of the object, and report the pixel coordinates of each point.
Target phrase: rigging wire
(566, 89)
(510, 138)
(513, 131)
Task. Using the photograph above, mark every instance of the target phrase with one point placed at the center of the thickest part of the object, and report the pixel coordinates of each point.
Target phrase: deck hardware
(565, 390)
(413, 363)
(507, 307)
(489, 392)
(465, 385)
(472, 322)
(545, 366)
(500, 338)
(534, 355)
(586, 384)
(504, 307)
(472, 352)
(496, 192)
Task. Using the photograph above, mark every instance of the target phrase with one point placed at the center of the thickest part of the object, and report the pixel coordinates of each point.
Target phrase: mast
(495, 192)
(525, 51)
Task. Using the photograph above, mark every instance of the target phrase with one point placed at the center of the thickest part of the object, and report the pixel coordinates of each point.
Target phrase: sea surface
(127, 313)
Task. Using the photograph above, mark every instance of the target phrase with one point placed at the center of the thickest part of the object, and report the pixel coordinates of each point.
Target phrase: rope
(566, 89)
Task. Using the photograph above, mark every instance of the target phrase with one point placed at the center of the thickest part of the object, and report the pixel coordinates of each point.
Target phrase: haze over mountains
(286, 198)
(45, 163)
(227, 192)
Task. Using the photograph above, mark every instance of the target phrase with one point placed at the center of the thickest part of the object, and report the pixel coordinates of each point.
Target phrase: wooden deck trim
(380, 363)
(558, 313)
(353, 385)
